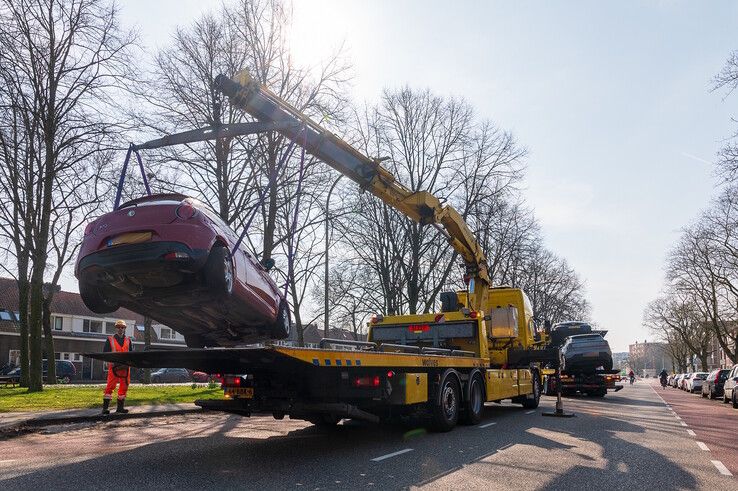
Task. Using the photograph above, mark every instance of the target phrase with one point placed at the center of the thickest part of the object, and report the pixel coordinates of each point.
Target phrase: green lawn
(76, 397)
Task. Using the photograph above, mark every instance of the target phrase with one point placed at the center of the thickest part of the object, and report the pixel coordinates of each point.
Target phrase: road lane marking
(721, 468)
(677, 416)
(703, 446)
(487, 425)
(691, 432)
(683, 423)
(393, 454)
(7, 461)
(529, 412)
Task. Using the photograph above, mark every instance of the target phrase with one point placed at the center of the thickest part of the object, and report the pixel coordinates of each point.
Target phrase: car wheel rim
(228, 273)
(449, 402)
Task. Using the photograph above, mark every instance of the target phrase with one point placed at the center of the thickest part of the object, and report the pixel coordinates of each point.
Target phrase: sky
(612, 101)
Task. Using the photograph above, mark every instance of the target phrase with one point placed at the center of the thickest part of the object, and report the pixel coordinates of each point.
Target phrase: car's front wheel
(95, 300)
(282, 327)
(219, 271)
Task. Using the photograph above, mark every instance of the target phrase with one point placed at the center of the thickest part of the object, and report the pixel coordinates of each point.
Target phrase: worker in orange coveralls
(117, 374)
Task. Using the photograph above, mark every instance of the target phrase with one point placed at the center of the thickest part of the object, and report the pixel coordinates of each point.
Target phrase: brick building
(76, 330)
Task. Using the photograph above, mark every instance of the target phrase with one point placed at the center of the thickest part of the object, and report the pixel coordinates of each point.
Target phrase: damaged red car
(169, 257)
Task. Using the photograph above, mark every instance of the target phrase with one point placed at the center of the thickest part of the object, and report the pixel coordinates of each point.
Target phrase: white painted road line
(703, 446)
(393, 454)
(721, 468)
(677, 416)
(691, 432)
(683, 423)
(487, 425)
(529, 412)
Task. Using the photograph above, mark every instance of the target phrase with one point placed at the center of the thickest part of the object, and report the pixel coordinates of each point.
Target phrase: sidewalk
(13, 421)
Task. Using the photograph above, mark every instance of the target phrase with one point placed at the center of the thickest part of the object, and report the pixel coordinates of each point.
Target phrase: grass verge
(81, 397)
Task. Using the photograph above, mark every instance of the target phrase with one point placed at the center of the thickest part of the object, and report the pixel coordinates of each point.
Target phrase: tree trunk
(49, 340)
(23, 291)
(147, 345)
(35, 379)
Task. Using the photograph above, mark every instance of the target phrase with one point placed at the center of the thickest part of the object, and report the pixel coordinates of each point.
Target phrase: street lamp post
(327, 245)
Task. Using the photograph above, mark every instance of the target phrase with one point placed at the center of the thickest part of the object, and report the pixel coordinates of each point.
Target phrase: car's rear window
(724, 374)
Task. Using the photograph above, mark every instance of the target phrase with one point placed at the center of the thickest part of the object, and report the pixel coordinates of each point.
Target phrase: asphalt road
(629, 440)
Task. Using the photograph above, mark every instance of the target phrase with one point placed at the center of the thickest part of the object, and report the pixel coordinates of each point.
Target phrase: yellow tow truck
(484, 345)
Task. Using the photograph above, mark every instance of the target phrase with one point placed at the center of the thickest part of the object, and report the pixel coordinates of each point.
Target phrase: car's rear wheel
(282, 327)
(95, 300)
(219, 271)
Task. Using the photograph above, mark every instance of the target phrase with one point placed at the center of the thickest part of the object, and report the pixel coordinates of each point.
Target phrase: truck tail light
(231, 381)
(367, 382)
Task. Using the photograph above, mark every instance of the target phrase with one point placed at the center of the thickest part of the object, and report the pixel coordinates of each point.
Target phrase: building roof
(68, 303)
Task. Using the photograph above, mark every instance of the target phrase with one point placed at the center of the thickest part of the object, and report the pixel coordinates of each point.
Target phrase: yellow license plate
(244, 392)
(129, 238)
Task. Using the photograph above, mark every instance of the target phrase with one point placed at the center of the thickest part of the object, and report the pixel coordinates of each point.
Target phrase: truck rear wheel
(531, 401)
(446, 407)
(474, 405)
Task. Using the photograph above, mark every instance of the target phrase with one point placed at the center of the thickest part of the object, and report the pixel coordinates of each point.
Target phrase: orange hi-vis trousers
(118, 374)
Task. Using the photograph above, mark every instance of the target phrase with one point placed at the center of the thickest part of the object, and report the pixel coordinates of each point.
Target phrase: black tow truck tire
(532, 401)
(474, 403)
(447, 403)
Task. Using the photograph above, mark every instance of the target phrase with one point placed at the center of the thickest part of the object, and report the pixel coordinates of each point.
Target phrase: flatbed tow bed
(372, 380)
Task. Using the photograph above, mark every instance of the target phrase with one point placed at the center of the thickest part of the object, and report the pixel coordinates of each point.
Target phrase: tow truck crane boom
(423, 207)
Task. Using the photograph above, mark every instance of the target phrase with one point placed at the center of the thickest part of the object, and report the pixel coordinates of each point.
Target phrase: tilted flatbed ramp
(279, 358)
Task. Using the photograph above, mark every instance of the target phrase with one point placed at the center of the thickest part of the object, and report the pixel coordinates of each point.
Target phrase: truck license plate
(244, 392)
(129, 238)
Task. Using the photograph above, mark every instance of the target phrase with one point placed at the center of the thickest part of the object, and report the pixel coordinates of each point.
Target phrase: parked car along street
(695, 382)
(171, 375)
(730, 388)
(712, 387)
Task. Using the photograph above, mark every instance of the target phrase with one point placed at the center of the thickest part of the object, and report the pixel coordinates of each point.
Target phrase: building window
(57, 322)
(6, 315)
(57, 356)
(91, 326)
(14, 356)
(66, 356)
(77, 357)
(110, 327)
(166, 333)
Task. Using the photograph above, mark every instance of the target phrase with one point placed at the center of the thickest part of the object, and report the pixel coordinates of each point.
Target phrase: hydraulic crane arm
(423, 207)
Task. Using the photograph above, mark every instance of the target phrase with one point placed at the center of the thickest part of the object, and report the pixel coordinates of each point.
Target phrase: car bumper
(139, 258)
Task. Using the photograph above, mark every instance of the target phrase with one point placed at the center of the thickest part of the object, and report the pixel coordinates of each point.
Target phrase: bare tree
(60, 62)
(727, 79)
(677, 317)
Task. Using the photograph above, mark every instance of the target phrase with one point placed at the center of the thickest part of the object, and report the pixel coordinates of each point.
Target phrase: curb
(29, 424)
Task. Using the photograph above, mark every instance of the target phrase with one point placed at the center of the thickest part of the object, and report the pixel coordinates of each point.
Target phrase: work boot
(106, 406)
(120, 407)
